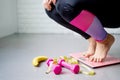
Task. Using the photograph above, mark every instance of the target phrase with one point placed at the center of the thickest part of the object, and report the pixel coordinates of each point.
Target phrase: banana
(36, 61)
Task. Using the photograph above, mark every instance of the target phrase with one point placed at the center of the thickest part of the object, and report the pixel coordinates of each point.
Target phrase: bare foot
(102, 49)
(91, 48)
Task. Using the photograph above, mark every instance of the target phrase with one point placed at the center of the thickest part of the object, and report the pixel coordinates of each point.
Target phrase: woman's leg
(87, 22)
(56, 17)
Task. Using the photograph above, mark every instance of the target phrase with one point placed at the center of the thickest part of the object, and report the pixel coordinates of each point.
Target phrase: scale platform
(110, 60)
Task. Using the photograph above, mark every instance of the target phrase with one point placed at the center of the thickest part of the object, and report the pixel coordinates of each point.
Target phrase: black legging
(108, 17)
(56, 17)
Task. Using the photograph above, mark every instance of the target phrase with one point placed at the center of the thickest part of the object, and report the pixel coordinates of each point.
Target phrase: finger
(54, 2)
(49, 2)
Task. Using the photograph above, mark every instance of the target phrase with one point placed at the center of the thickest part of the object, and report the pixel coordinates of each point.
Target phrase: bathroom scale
(110, 60)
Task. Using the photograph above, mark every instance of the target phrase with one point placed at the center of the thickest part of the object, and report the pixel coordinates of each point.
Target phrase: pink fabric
(83, 20)
(108, 61)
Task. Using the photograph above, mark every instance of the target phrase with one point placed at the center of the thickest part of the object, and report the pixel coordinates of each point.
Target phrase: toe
(91, 58)
(95, 59)
(86, 54)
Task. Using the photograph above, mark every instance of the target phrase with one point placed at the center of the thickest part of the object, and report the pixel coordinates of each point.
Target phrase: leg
(90, 24)
(56, 17)
(91, 48)
(102, 48)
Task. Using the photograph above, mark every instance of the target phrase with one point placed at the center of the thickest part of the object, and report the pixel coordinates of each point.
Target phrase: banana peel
(89, 72)
(69, 60)
(36, 61)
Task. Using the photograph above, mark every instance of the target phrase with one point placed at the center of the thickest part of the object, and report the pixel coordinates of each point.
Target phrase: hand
(47, 4)
(54, 2)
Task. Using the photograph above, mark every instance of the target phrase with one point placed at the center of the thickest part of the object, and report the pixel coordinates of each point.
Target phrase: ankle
(109, 38)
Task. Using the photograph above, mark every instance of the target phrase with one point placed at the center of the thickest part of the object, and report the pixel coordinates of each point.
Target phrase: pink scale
(108, 61)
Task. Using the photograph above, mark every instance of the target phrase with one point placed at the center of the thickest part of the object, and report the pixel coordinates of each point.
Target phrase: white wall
(8, 18)
(32, 18)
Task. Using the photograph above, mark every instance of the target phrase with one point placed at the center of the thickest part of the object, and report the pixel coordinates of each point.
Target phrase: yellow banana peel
(36, 61)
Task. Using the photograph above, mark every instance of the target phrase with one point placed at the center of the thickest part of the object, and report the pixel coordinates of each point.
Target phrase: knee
(64, 9)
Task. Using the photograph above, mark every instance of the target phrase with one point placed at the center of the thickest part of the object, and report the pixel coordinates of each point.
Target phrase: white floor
(18, 50)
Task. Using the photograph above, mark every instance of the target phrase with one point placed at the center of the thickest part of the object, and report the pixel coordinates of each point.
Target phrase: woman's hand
(47, 4)
(54, 2)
